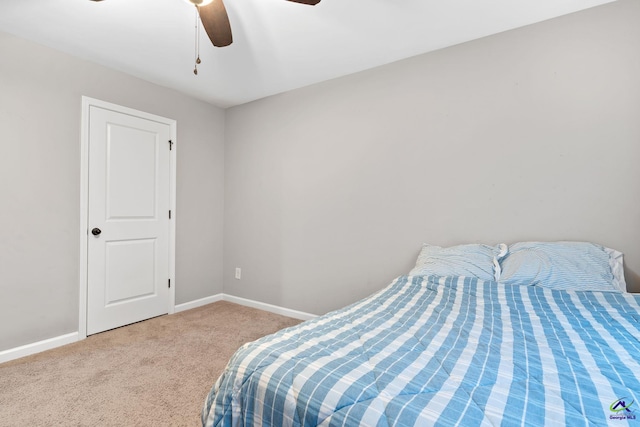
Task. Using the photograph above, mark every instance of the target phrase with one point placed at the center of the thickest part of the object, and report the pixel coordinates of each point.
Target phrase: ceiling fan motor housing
(199, 2)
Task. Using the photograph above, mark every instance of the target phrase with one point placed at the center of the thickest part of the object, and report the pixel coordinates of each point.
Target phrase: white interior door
(128, 219)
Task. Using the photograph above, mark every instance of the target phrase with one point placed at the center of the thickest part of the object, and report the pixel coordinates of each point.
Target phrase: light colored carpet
(152, 373)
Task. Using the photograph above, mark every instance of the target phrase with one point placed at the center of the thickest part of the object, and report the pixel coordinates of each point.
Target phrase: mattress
(430, 350)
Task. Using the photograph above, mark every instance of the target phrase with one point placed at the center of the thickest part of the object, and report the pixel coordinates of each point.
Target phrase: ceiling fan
(216, 22)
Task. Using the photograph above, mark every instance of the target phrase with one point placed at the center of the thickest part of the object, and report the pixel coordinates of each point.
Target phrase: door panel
(129, 197)
(130, 270)
(131, 171)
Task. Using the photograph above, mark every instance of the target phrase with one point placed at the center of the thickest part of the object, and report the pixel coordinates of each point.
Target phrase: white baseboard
(37, 347)
(246, 302)
(269, 307)
(198, 303)
(48, 344)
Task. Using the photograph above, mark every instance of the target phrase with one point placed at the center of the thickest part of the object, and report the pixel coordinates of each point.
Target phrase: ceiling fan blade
(216, 23)
(309, 2)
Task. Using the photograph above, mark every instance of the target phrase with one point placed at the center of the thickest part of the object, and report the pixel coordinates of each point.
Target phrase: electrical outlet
(238, 273)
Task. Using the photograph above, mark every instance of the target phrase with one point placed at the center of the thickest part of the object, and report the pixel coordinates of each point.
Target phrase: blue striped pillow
(473, 260)
(558, 265)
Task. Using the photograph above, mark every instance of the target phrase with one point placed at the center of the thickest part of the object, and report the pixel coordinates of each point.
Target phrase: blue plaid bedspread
(443, 351)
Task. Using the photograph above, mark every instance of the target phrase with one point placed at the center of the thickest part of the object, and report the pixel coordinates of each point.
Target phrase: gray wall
(40, 103)
(532, 134)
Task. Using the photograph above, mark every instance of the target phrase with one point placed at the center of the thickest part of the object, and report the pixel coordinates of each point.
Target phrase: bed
(511, 342)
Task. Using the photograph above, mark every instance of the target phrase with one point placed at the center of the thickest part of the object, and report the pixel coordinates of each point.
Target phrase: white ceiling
(278, 45)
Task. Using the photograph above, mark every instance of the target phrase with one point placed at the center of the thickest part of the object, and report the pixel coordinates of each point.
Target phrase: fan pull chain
(197, 43)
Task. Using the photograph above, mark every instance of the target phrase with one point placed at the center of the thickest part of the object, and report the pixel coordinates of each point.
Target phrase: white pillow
(474, 260)
(562, 265)
(617, 268)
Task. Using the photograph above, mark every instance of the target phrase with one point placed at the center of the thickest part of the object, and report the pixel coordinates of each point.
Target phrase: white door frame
(84, 202)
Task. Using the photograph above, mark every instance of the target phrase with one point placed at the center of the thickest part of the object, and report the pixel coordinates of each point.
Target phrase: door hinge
(169, 283)
(169, 214)
(170, 145)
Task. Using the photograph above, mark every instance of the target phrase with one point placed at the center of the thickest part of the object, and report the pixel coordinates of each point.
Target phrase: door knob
(96, 231)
